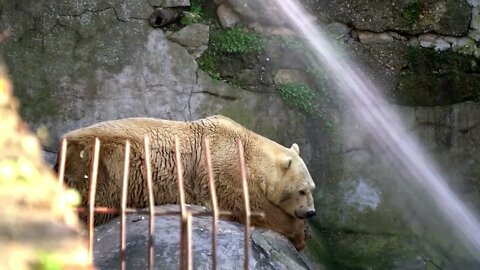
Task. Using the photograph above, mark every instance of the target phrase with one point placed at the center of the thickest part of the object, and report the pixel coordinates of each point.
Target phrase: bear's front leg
(298, 234)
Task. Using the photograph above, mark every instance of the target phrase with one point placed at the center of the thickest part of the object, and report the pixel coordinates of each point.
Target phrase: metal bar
(184, 259)
(213, 197)
(91, 196)
(123, 206)
(193, 213)
(151, 202)
(246, 199)
(189, 242)
(63, 157)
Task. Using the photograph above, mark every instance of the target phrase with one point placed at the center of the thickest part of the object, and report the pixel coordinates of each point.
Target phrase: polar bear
(279, 182)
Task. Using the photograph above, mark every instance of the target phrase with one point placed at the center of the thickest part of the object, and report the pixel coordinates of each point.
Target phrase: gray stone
(268, 250)
(413, 41)
(271, 30)
(441, 44)
(475, 23)
(427, 40)
(474, 34)
(369, 37)
(176, 3)
(264, 12)
(465, 46)
(283, 76)
(228, 18)
(193, 35)
(338, 29)
(474, 3)
(196, 52)
(447, 17)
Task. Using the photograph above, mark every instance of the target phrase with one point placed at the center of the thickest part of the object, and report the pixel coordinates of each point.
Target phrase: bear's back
(128, 128)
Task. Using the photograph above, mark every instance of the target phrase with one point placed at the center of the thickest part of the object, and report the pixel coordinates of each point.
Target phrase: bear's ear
(295, 148)
(286, 162)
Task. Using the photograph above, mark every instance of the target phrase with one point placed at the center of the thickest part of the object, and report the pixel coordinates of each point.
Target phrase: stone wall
(77, 64)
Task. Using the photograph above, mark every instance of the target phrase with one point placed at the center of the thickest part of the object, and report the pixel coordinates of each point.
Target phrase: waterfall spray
(387, 129)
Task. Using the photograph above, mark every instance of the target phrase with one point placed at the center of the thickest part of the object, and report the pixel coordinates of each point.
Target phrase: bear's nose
(311, 214)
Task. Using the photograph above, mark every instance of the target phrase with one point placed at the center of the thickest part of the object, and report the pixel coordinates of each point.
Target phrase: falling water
(387, 130)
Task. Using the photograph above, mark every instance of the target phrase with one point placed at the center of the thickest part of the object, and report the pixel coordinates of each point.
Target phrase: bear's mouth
(300, 216)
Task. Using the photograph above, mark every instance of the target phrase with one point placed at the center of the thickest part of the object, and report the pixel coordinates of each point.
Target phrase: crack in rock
(230, 98)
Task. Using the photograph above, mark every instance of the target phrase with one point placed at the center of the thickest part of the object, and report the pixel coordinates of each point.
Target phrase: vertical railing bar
(151, 202)
(63, 158)
(246, 205)
(213, 197)
(91, 196)
(189, 241)
(123, 206)
(183, 211)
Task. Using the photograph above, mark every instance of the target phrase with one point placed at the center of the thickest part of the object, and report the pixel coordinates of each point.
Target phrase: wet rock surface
(445, 17)
(108, 63)
(269, 250)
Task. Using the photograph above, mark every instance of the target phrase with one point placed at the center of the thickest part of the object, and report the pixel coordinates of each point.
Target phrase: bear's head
(289, 184)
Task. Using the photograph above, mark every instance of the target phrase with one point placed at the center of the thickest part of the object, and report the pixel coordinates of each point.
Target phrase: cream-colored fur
(278, 180)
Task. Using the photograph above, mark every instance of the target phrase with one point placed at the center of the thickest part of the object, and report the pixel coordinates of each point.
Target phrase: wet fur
(222, 133)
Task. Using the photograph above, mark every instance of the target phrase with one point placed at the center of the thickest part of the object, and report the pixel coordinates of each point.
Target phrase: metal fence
(186, 256)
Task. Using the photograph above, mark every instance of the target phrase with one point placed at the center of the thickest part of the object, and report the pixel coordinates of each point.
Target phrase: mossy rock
(438, 78)
(354, 250)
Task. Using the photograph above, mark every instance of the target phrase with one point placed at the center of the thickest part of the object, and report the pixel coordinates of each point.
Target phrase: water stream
(387, 130)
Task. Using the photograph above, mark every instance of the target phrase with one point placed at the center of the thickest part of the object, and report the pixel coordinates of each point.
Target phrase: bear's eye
(302, 192)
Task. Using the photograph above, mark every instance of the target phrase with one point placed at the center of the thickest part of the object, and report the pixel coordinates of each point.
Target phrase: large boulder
(269, 250)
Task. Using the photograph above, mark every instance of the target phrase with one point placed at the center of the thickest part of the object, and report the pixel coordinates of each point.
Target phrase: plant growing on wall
(236, 40)
(225, 43)
(196, 13)
(299, 96)
(411, 11)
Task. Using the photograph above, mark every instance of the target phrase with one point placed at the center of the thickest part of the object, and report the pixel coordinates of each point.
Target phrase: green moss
(350, 250)
(236, 40)
(411, 11)
(208, 62)
(228, 43)
(196, 13)
(299, 96)
(438, 78)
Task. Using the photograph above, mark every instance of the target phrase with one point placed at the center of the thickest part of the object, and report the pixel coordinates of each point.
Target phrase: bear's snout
(311, 214)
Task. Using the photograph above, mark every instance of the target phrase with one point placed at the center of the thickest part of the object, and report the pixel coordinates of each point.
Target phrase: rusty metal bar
(151, 202)
(123, 206)
(189, 242)
(63, 159)
(91, 196)
(184, 254)
(213, 197)
(193, 213)
(246, 199)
